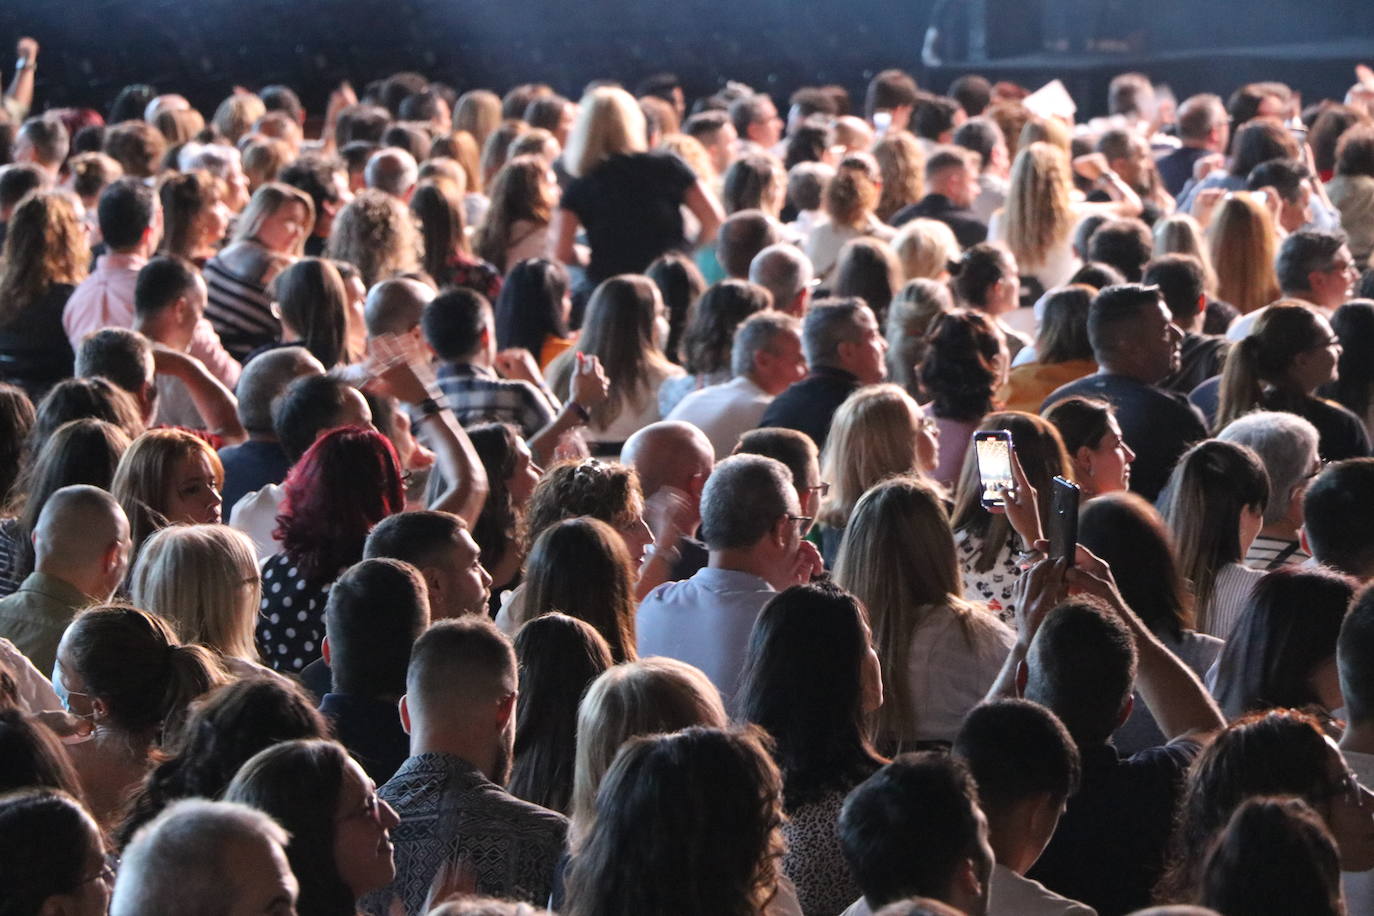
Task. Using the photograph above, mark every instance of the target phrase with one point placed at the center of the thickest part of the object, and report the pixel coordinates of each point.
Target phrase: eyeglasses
(106, 873)
(822, 489)
(803, 521)
(1321, 466)
(929, 424)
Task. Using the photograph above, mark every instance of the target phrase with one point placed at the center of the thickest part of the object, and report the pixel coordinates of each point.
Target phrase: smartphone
(1063, 533)
(993, 448)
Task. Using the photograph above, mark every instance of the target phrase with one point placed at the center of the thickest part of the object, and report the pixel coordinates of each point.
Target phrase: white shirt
(1358, 886)
(1230, 593)
(256, 516)
(724, 412)
(1011, 894)
(946, 675)
(35, 690)
(704, 621)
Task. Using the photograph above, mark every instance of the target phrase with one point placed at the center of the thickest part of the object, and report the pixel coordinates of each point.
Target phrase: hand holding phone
(993, 450)
(1063, 531)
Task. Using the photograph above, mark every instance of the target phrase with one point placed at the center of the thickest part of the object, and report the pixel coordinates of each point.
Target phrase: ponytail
(191, 671)
(1241, 390)
(1284, 330)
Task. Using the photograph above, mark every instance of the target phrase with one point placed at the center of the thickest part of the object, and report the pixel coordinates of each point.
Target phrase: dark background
(203, 47)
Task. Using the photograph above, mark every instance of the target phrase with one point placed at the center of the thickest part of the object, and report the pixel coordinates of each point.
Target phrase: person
(1062, 352)
(448, 259)
(1242, 245)
(1287, 447)
(753, 532)
(441, 547)
(680, 283)
(1182, 283)
(1204, 131)
(672, 460)
(512, 474)
(124, 670)
(765, 359)
(168, 477)
(204, 856)
(268, 236)
(459, 709)
(376, 233)
(559, 657)
(951, 188)
(1351, 189)
(966, 362)
(850, 200)
(45, 255)
(878, 432)
(1136, 346)
(810, 680)
(985, 280)
(1314, 267)
(523, 196)
(914, 309)
(194, 216)
(624, 331)
(718, 849)
(313, 306)
(786, 273)
(1354, 649)
(845, 350)
(1353, 323)
(798, 454)
(340, 845)
(1338, 538)
(532, 311)
(1124, 245)
(741, 237)
(914, 828)
(1290, 353)
(67, 871)
(16, 420)
(868, 269)
(223, 729)
(1026, 766)
(612, 176)
(939, 653)
(1092, 437)
(325, 179)
(704, 350)
(81, 550)
(905, 170)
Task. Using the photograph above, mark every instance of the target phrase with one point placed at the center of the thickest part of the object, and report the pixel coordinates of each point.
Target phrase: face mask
(63, 694)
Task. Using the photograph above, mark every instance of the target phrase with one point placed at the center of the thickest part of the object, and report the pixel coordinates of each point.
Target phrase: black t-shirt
(1201, 356)
(34, 351)
(629, 206)
(809, 405)
(250, 466)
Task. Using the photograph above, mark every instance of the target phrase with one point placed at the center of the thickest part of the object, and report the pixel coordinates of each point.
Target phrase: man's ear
(1022, 675)
(1126, 708)
(966, 881)
(324, 650)
(403, 706)
(505, 708)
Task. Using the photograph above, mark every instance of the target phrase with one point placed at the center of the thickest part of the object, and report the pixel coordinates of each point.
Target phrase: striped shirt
(240, 310)
(1230, 594)
(1271, 553)
(477, 395)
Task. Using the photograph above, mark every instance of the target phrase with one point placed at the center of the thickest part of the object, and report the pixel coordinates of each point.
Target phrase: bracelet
(583, 413)
(24, 63)
(430, 407)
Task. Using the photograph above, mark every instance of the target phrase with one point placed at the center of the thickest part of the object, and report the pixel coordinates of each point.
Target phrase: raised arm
(20, 92)
(213, 401)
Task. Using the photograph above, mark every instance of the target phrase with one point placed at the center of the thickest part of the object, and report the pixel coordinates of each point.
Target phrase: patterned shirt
(240, 309)
(477, 395)
(291, 619)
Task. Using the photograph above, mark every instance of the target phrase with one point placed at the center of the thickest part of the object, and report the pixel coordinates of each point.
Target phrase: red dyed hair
(345, 483)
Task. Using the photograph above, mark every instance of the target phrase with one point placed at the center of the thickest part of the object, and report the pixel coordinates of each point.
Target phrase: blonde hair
(902, 163)
(1179, 233)
(853, 193)
(872, 437)
(925, 248)
(237, 114)
(689, 150)
(1046, 130)
(477, 114)
(46, 245)
(266, 201)
(610, 122)
(462, 148)
(144, 474)
(1038, 213)
(203, 580)
(646, 697)
(1242, 245)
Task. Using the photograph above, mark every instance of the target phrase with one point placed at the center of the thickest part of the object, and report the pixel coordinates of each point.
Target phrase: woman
(124, 670)
(850, 201)
(1180, 233)
(1288, 355)
(902, 164)
(985, 280)
(1092, 437)
(478, 112)
(1241, 247)
(1352, 189)
(224, 728)
(203, 580)
(1282, 652)
(559, 658)
(1063, 352)
(512, 476)
(991, 553)
(32, 756)
(626, 327)
(1127, 534)
(1275, 855)
(1353, 385)
(602, 490)
(717, 845)
(268, 236)
(168, 477)
(533, 309)
(194, 217)
(705, 348)
(925, 248)
(812, 680)
(65, 873)
(313, 305)
(438, 209)
(45, 256)
(628, 200)
(340, 830)
(16, 421)
(1214, 504)
(680, 283)
(939, 653)
(1256, 141)
(868, 269)
(523, 196)
(375, 233)
(1038, 220)
(914, 309)
(965, 363)
(877, 433)
(754, 181)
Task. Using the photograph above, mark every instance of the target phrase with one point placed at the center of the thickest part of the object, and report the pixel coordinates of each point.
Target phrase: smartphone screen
(994, 464)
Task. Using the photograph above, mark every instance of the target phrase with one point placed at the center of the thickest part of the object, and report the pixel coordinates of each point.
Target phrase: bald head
(392, 170)
(82, 537)
(785, 272)
(394, 306)
(670, 453)
(267, 376)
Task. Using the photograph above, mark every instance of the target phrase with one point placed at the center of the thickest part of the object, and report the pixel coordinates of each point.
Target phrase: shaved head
(669, 453)
(394, 306)
(79, 524)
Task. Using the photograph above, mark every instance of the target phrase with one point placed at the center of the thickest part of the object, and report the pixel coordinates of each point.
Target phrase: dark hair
(808, 143)
(81, 399)
(959, 369)
(680, 283)
(748, 179)
(309, 404)
(1340, 535)
(792, 448)
(1285, 176)
(1097, 275)
(1124, 244)
(976, 271)
(17, 419)
(438, 209)
(813, 100)
(1355, 151)
(1286, 631)
(1114, 312)
(417, 538)
(1256, 370)
(497, 530)
(1181, 283)
(867, 269)
(741, 237)
(1303, 252)
(1259, 140)
(32, 756)
(981, 135)
(1064, 328)
(223, 729)
(375, 612)
(1082, 422)
(604, 490)
(579, 566)
(313, 300)
(314, 173)
(529, 308)
(1353, 323)
(1016, 749)
(18, 179)
(125, 210)
(889, 89)
(121, 355)
(453, 322)
(1355, 657)
(907, 828)
(184, 197)
(934, 115)
(1083, 232)
(46, 838)
(131, 102)
(972, 92)
(1276, 855)
(160, 283)
(1082, 668)
(559, 657)
(711, 324)
(1127, 533)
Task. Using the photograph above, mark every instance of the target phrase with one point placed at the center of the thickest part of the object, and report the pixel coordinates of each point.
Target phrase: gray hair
(743, 499)
(1287, 447)
(829, 323)
(760, 332)
(176, 863)
(267, 376)
(215, 158)
(783, 270)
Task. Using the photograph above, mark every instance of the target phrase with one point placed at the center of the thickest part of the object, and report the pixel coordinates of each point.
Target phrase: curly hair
(1039, 211)
(852, 194)
(375, 233)
(607, 491)
(45, 245)
(902, 164)
(960, 371)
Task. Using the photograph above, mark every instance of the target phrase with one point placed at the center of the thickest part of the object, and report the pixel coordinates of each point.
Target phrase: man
(1204, 129)
(1181, 283)
(984, 137)
(951, 188)
(713, 130)
(673, 460)
(756, 120)
(459, 709)
(785, 271)
(1128, 155)
(81, 552)
(1287, 447)
(1338, 530)
(439, 545)
(1291, 180)
(914, 829)
(844, 350)
(742, 236)
(935, 119)
(1314, 266)
(1355, 666)
(325, 179)
(1026, 767)
(202, 856)
(130, 220)
(798, 454)
(1136, 346)
(394, 171)
(765, 359)
(1122, 244)
(260, 460)
(395, 306)
(665, 86)
(43, 141)
(751, 523)
(890, 99)
(376, 611)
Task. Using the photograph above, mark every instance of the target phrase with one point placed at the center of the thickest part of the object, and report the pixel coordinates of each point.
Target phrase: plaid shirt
(477, 395)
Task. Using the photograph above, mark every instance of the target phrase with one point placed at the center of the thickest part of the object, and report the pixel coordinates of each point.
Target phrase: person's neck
(1008, 837)
(1358, 737)
(159, 332)
(747, 560)
(1283, 530)
(1108, 367)
(89, 584)
(477, 750)
(138, 251)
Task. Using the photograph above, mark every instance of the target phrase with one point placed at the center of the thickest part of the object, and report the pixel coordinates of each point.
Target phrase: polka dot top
(291, 619)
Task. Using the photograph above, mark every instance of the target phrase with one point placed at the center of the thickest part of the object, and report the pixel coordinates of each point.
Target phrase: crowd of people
(473, 504)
